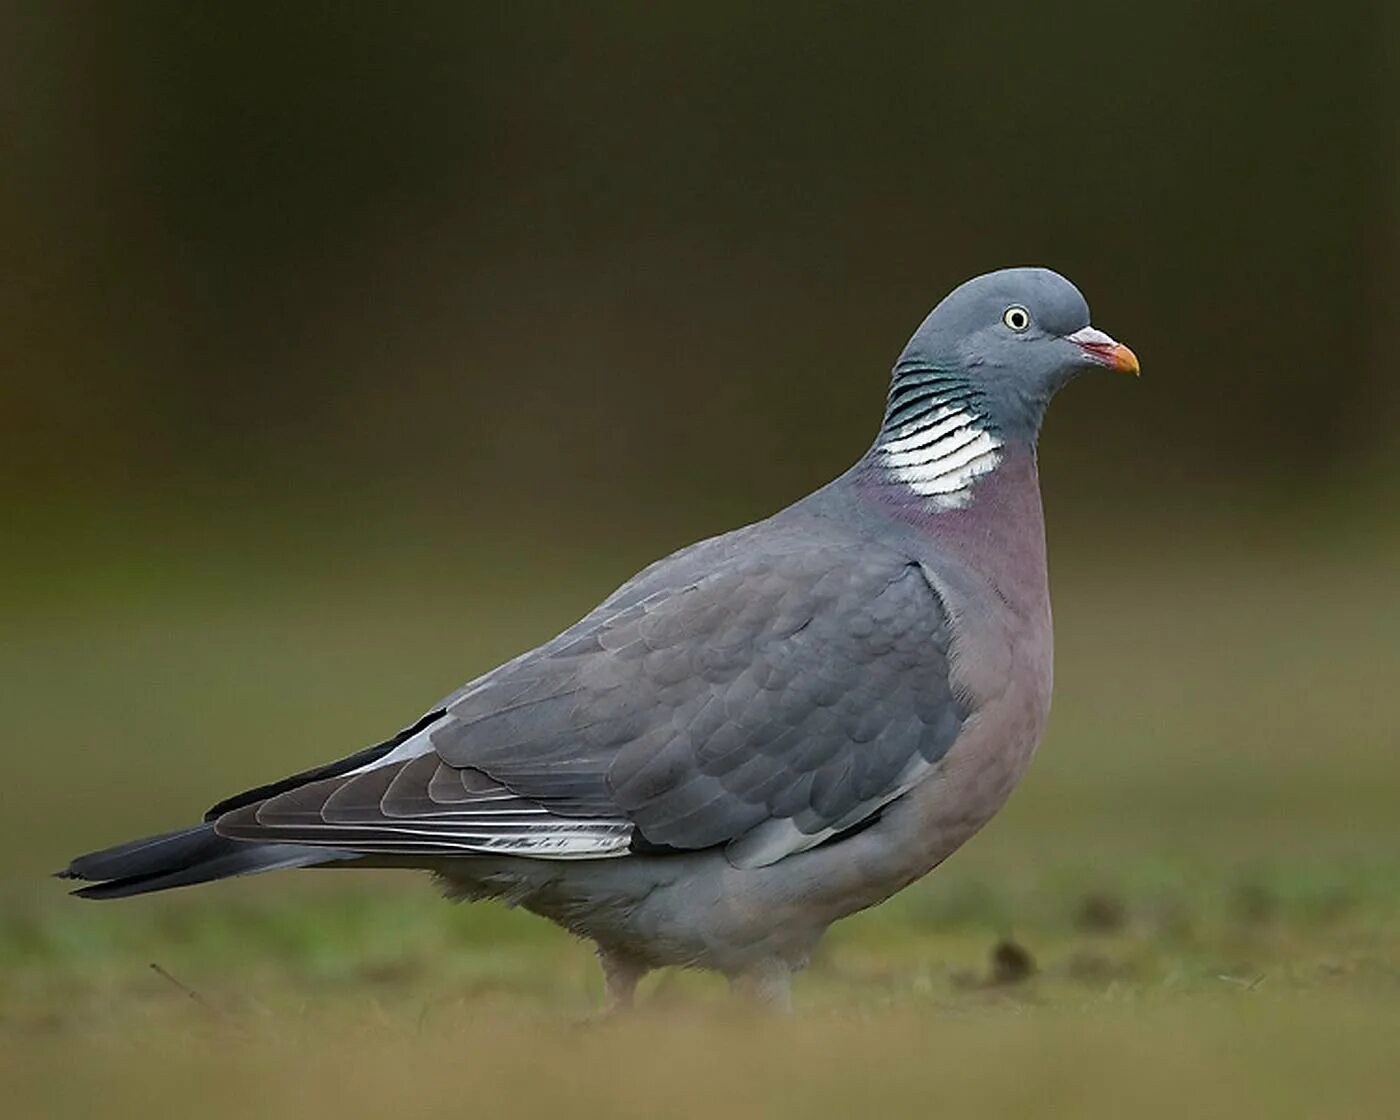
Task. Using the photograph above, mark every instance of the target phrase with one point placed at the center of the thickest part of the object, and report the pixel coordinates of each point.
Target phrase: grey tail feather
(182, 858)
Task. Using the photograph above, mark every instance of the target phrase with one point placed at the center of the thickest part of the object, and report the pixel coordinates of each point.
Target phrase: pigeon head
(1017, 335)
(978, 374)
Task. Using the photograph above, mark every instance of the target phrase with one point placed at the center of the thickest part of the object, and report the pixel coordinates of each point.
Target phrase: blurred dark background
(349, 349)
(543, 258)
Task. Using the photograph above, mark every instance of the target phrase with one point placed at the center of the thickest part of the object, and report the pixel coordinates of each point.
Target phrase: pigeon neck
(999, 533)
(938, 437)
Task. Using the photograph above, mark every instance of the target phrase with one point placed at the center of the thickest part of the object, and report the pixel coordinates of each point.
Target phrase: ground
(1191, 907)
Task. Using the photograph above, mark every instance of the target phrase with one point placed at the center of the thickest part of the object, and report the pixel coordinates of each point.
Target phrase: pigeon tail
(183, 858)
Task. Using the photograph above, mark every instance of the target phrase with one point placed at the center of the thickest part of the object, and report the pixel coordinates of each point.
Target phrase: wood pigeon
(757, 735)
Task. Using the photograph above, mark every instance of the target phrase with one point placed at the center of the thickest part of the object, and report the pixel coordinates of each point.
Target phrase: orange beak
(1105, 351)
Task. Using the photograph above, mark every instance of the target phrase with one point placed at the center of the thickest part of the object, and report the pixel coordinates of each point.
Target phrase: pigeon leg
(621, 974)
(768, 984)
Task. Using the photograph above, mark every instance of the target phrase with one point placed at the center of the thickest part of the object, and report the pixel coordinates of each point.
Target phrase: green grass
(1203, 863)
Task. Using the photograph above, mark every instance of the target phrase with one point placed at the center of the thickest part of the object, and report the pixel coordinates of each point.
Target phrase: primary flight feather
(757, 735)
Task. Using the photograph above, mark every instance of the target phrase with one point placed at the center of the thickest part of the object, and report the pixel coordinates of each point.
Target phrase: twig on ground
(190, 992)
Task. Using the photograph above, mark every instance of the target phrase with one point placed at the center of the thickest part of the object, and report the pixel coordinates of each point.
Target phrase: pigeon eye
(1016, 317)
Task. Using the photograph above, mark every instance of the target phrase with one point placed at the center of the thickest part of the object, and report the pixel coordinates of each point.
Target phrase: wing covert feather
(784, 684)
(756, 691)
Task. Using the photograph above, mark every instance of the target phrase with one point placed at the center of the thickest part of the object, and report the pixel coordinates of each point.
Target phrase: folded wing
(761, 698)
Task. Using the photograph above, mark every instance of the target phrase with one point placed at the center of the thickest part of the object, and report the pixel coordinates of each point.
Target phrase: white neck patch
(939, 443)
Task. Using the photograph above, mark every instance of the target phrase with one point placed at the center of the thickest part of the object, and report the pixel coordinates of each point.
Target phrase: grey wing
(762, 698)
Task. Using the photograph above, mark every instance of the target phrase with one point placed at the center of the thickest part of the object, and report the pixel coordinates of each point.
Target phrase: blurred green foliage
(1201, 863)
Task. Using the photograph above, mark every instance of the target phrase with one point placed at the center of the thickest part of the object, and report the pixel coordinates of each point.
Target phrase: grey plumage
(774, 688)
(181, 859)
(757, 735)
